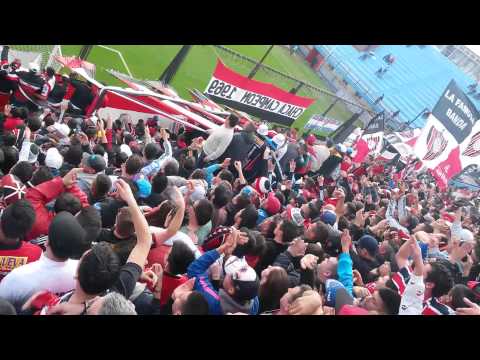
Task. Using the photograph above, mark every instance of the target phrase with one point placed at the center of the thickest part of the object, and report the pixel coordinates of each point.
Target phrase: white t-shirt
(45, 274)
(179, 236)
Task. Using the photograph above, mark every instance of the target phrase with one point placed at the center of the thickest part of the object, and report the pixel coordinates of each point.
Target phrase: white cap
(53, 159)
(62, 128)
(94, 119)
(279, 140)
(262, 129)
(466, 235)
(126, 149)
(240, 267)
(34, 67)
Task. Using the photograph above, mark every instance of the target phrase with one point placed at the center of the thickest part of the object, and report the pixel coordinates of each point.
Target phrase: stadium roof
(474, 48)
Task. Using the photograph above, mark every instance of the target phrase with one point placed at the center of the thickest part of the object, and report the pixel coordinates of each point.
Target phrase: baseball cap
(295, 215)
(144, 188)
(12, 189)
(63, 129)
(279, 140)
(466, 235)
(341, 148)
(95, 161)
(331, 287)
(244, 278)
(328, 217)
(262, 185)
(33, 66)
(33, 153)
(262, 130)
(65, 226)
(126, 149)
(369, 243)
(248, 191)
(53, 158)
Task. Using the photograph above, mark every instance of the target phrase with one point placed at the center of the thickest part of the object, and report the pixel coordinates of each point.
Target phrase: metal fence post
(257, 66)
(85, 51)
(174, 65)
(330, 107)
(295, 90)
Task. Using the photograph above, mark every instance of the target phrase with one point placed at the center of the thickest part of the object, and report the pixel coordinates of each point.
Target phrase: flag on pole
(371, 141)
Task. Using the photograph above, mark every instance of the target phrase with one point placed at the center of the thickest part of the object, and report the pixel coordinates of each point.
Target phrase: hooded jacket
(41, 195)
(198, 269)
(229, 305)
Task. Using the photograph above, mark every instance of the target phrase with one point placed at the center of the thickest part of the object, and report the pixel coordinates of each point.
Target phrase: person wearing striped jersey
(30, 89)
(421, 290)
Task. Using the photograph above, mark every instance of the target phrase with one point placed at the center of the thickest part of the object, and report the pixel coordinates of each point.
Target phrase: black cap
(66, 236)
(96, 162)
(369, 243)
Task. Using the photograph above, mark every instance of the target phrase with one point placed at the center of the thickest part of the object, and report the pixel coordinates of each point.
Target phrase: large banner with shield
(450, 140)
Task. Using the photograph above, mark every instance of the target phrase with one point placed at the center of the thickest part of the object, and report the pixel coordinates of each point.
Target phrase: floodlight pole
(257, 66)
(412, 121)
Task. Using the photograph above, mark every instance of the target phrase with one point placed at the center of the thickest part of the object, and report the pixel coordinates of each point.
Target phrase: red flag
(448, 168)
(362, 151)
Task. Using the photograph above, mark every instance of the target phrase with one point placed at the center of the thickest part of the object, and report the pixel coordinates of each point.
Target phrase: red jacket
(169, 284)
(41, 195)
(12, 258)
(11, 123)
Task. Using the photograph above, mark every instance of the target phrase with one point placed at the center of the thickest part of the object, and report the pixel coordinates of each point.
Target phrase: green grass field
(149, 61)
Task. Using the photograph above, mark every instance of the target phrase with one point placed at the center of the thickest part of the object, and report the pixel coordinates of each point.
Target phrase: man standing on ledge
(218, 141)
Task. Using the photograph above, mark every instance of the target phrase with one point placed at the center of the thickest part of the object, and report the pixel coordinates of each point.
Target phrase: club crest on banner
(372, 142)
(436, 144)
(408, 134)
(473, 148)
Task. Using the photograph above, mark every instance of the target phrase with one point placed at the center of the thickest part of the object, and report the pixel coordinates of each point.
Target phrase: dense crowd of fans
(103, 216)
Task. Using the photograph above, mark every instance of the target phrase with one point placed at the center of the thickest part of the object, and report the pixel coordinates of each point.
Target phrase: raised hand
(185, 287)
(7, 110)
(472, 309)
(293, 165)
(320, 180)
(149, 277)
(71, 177)
(309, 261)
(270, 166)
(238, 165)
(339, 194)
(125, 193)
(346, 241)
(308, 304)
(226, 163)
(298, 247)
(357, 278)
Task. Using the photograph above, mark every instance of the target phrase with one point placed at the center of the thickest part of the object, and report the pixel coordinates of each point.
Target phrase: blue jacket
(198, 269)
(345, 272)
(209, 170)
